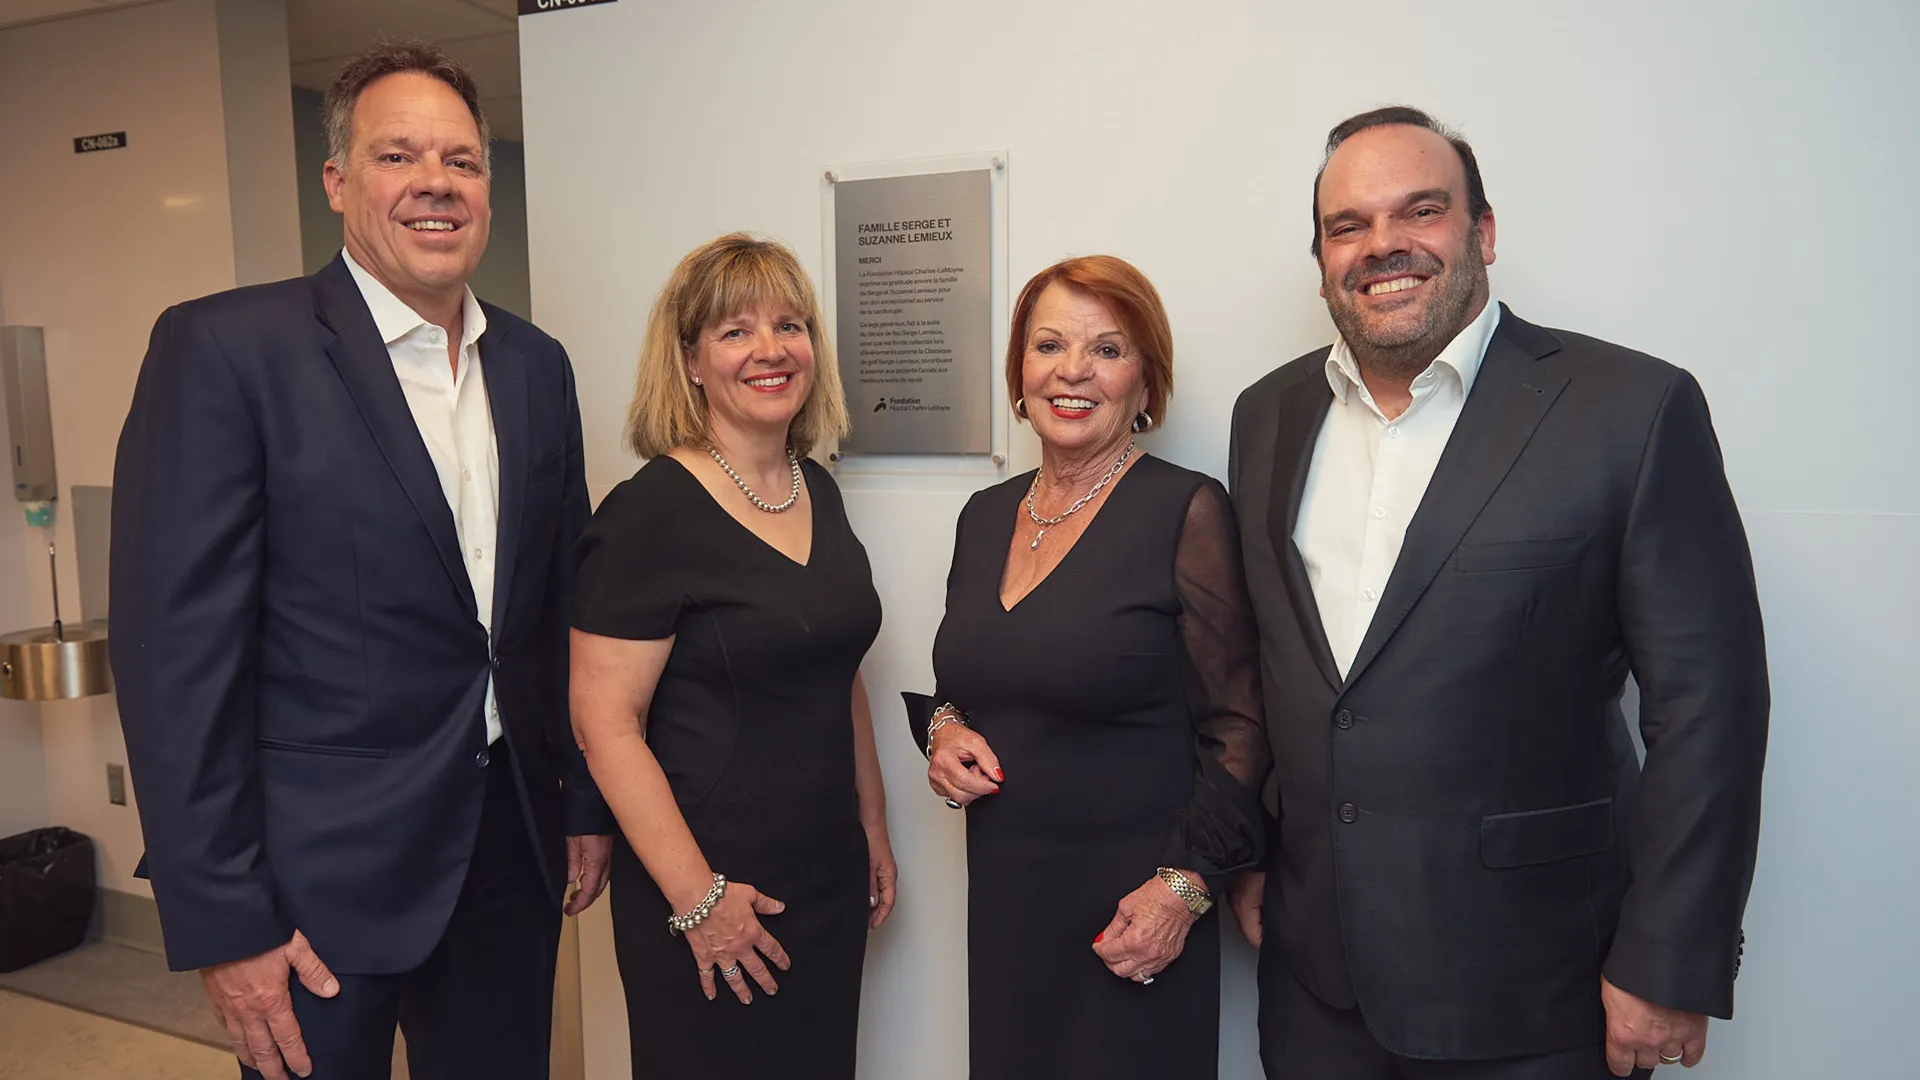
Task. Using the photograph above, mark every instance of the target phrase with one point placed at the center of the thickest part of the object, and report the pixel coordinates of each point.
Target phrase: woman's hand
(1148, 932)
(728, 937)
(882, 876)
(961, 765)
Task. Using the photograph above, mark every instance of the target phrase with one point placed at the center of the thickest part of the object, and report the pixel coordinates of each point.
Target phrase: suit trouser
(482, 1003)
(1304, 1038)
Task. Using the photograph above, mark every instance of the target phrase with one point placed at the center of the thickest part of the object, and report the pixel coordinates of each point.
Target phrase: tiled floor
(44, 1041)
(122, 984)
(104, 1011)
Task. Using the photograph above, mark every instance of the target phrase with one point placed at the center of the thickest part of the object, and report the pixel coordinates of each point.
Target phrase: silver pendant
(1041, 535)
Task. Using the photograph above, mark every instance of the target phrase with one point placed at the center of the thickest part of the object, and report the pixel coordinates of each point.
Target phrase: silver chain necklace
(758, 502)
(1048, 523)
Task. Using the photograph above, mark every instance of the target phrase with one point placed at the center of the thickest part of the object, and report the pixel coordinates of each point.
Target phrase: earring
(1020, 407)
(697, 382)
(1142, 423)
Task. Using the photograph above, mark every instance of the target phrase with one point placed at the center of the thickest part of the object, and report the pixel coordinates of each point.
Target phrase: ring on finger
(1143, 979)
(952, 805)
(730, 973)
(1670, 1059)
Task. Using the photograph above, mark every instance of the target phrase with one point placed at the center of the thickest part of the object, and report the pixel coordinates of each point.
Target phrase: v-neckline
(1006, 546)
(813, 518)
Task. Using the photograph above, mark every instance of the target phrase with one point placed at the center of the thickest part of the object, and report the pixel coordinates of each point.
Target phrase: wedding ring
(730, 973)
(1665, 1060)
(1144, 980)
(951, 805)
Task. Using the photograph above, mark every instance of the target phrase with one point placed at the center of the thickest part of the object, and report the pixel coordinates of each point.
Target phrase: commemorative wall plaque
(912, 285)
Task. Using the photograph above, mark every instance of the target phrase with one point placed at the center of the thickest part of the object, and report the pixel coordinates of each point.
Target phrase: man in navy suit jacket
(344, 517)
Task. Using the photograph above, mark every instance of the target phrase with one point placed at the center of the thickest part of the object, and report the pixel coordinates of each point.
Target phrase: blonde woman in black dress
(721, 612)
(1099, 715)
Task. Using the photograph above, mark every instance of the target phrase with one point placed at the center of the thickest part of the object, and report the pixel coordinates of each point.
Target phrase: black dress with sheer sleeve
(1122, 698)
(752, 723)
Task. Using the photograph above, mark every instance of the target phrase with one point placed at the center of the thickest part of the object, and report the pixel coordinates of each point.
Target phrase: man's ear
(334, 179)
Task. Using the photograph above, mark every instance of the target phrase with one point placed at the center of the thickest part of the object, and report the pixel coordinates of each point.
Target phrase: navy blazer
(300, 664)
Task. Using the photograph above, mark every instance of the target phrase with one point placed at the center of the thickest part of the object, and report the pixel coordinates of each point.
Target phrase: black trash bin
(46, 895)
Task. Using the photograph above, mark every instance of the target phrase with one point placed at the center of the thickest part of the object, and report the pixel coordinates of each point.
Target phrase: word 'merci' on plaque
(912, 285)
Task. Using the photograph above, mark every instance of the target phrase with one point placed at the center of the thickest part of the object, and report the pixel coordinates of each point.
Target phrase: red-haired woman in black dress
(1099, 708)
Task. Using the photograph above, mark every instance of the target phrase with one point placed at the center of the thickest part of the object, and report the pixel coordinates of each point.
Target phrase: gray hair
(392, 57)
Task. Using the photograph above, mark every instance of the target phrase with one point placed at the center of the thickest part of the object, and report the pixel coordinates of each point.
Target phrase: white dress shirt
(1368, 476)
(450, 408)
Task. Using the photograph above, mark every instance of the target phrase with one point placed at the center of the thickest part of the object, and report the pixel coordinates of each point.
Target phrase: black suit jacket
(300, 665)
(1466, 838)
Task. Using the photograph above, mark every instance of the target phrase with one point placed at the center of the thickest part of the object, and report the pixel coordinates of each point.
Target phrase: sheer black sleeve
(1222, 828)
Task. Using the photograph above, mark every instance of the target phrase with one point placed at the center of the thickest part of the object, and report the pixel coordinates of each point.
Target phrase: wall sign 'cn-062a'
(87, 144)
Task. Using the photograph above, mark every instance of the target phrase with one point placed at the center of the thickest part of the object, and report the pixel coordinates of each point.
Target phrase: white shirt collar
(1462, 356)
(395, 320)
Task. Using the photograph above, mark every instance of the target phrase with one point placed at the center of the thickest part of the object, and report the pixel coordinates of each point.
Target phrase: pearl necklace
(1048, 523)
(757, 501)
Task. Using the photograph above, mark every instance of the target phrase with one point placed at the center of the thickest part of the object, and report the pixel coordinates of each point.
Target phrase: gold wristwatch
(1197, 899)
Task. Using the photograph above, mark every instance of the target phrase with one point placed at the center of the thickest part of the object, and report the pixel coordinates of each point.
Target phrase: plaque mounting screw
(999, 163)
(832, 177)
(999, 459)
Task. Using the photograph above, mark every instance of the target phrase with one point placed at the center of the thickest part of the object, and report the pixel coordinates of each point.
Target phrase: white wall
(1718, 183)
(94, 246)
(258, 116)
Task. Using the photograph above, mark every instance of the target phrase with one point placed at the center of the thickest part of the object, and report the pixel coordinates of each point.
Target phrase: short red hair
(1135, 304)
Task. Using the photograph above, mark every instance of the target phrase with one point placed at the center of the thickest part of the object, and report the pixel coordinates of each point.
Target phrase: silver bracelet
(947, 713)
(680, 924)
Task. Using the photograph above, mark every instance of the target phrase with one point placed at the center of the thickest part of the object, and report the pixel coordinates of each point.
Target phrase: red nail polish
(1101, 936)
(1000, 775)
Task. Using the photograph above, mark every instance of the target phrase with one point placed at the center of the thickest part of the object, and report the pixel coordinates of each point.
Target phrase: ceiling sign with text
(541, 7)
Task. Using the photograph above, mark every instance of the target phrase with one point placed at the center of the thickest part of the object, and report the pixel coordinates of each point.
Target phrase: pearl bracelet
(680, 924)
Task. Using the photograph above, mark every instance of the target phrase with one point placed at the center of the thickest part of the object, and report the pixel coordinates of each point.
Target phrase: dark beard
(1462, 293)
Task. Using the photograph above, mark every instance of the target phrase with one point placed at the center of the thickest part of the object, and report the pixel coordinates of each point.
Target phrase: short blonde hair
(718, 280)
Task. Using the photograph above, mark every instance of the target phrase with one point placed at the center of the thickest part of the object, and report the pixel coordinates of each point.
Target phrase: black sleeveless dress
(753, 724)
(1122, 698)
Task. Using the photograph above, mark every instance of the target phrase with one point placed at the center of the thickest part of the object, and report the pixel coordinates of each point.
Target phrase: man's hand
(1640, 1033)
(587, 861)
(1243, 897)
(251, 1000)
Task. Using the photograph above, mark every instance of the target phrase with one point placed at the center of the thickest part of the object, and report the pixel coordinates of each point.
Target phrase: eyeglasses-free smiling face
(414, 189)
(756, 368)
(1081, 375)
(1403, 265)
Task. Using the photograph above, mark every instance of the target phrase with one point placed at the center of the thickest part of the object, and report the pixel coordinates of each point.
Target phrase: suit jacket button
(1349, 813)
(1343, 719)
(482, 758)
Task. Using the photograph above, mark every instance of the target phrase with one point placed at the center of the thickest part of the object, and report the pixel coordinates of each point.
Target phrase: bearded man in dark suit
(1462, 533)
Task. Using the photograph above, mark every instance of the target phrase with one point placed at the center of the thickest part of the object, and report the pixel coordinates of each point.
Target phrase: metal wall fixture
(45, 663)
